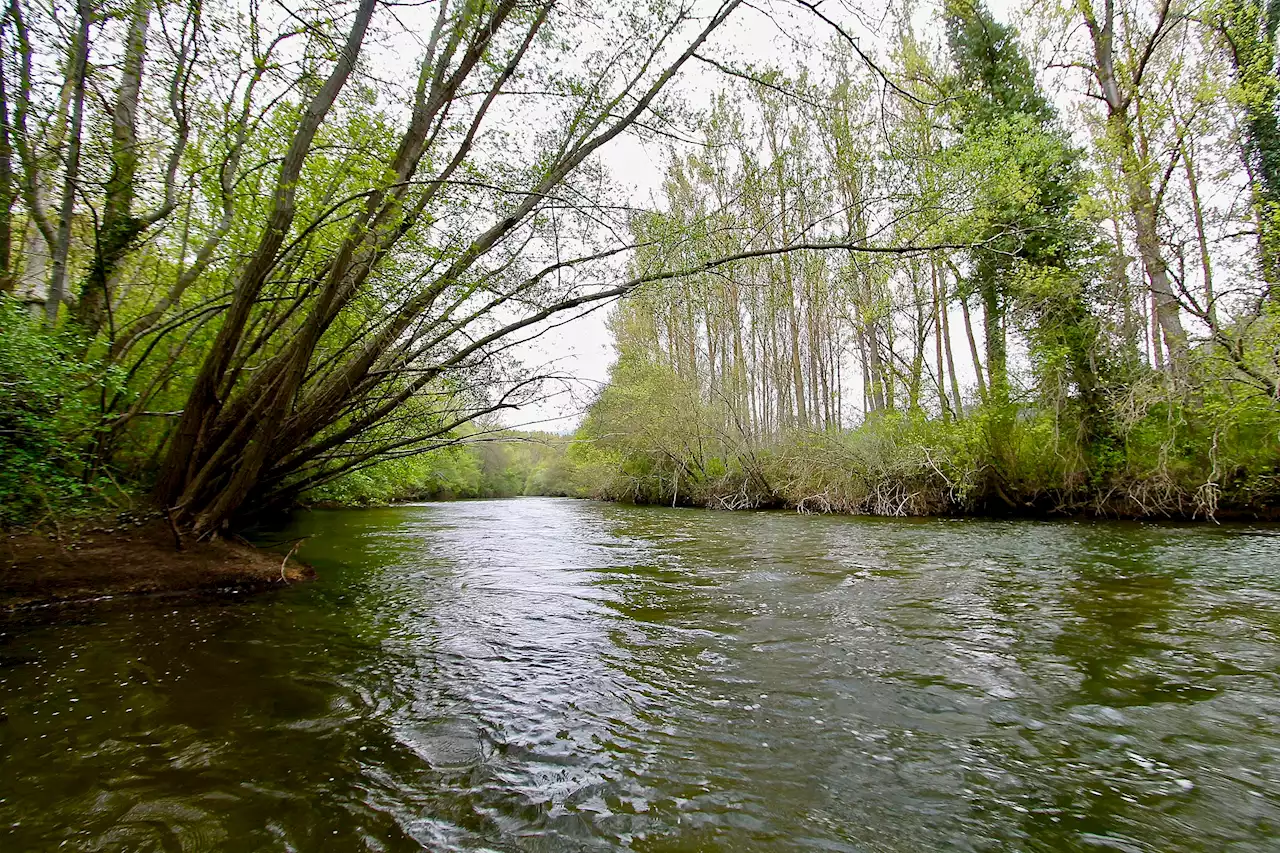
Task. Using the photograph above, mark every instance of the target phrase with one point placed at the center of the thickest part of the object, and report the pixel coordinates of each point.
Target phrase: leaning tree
(309, 238)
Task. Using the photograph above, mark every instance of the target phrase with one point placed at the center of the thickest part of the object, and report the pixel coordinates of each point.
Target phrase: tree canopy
(252, 252)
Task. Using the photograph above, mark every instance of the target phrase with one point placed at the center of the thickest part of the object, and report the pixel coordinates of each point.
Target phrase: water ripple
(549, 675)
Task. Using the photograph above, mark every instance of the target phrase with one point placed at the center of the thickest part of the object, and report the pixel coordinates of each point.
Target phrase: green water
(549, 675)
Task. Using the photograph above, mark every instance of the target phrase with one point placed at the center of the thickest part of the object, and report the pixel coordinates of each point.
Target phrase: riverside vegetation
(974, 269)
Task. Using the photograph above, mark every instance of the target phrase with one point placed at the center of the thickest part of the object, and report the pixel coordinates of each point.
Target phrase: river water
(558, 675)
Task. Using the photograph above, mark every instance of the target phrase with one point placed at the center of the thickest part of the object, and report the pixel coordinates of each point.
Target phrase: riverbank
(128, 559)
(920, 505)
(133, 558)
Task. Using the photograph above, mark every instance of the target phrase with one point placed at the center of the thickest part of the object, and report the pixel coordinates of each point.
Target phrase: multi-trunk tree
(306, 240)
(297, 241)
(318, 266)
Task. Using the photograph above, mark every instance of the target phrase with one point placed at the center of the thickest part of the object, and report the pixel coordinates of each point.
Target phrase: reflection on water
(553, 675)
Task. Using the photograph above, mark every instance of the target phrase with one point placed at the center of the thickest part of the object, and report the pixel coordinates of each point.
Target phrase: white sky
(584, 348)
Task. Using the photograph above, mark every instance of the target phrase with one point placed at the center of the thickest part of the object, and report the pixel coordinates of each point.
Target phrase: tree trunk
(79, 62)
(946, 336)
(8, 190)
(1206, 263)
(119, 229)
(186, 451)
(994, 340)
(939, 310)
(973, 349)
(1137, 183)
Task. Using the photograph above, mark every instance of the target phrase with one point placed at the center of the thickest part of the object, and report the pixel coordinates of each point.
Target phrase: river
(558, 675)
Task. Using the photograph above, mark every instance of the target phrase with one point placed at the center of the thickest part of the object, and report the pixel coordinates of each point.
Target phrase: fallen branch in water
(285, 561)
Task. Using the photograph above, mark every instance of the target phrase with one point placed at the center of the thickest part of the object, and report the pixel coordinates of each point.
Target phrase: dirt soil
(131, 560)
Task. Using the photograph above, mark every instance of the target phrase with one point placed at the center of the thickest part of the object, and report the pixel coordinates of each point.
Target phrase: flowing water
(557, 675)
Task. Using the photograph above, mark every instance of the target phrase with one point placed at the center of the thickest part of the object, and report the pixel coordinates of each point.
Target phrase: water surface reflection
(556, 675)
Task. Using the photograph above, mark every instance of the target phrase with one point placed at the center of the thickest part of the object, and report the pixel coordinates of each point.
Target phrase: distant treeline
(505, 464)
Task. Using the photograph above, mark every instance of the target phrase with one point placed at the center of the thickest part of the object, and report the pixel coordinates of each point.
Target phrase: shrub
(46, 422)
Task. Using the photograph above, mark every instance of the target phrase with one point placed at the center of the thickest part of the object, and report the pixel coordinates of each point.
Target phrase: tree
(1248, 30)
(1121, 59)
(245, 439)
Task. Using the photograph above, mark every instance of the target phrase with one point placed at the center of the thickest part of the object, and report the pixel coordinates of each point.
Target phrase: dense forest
(267, 255)
(1088, 323)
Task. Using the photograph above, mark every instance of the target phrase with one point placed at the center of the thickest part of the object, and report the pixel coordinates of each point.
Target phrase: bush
(1161, 455)
(46, 423)
(516, 463)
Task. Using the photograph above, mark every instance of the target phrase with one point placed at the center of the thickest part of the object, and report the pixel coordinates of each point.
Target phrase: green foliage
(46, 421)
(735, 385)
(649, 439)
(1035, 257)
(506, 464)
(1248, 29)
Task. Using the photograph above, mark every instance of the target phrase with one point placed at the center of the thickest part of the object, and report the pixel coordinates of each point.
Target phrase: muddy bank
(127, 560)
